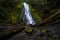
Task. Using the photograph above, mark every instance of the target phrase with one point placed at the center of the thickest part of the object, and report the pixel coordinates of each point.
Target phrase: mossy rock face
(35, 15)
(28, 29)
(20, 4)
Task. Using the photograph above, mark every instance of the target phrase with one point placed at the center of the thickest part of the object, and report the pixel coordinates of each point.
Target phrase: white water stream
(28, 15)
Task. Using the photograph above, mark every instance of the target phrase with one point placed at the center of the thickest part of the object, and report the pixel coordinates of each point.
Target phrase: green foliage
(28, 29)
(2, 14)
(34, 1)
(20, 4)
(14, 18)
(1, 1)
(35, 5)
(35, 15)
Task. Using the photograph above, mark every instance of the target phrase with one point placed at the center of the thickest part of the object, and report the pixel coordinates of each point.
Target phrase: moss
(14, 30)
(14, 18)
(28, 29)
(1, 1)
(20, 5)
(35, 14)
(43, 30)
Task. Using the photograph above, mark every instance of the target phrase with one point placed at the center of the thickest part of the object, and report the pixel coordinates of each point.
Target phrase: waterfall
(28, 15)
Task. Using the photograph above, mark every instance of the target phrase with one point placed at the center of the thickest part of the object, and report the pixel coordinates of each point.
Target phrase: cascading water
(28, 15)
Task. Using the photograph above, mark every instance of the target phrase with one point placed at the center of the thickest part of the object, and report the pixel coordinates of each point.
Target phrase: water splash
(28, 15)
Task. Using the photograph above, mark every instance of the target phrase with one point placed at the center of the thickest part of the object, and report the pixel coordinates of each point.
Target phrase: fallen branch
(58, 12)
